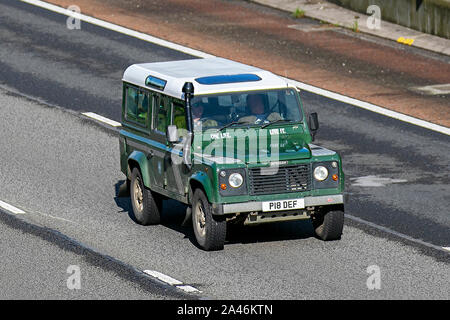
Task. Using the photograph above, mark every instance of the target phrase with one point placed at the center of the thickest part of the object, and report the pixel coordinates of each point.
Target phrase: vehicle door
(161, 119)
(176, 173)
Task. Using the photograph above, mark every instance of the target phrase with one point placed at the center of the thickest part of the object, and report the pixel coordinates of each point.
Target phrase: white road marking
(11, 208)
(117, 28)
(163, 277)
(173, 282)
(102, 119)
(398, 234)
(374, 181)
(372, 107)
(189, 289)
(197, 53)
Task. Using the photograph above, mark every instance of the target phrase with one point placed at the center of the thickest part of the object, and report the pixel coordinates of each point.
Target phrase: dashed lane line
(100, 118)
(163, 277)
(11, 208)
(171, 281)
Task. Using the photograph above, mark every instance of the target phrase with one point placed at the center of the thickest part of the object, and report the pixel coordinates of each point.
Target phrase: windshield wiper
(227, 125)
(275, 121)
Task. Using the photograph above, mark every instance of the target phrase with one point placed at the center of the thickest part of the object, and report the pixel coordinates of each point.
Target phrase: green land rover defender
(231, 142)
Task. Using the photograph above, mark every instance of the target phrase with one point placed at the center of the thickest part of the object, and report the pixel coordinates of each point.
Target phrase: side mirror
(172, 134)
(313, 124)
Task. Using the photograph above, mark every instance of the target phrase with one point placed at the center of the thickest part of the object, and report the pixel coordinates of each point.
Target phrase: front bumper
(256, 206)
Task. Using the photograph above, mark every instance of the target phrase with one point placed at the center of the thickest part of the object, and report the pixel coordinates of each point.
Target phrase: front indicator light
(235, 180)
(223, 186)
(335, 177)
(320, 173)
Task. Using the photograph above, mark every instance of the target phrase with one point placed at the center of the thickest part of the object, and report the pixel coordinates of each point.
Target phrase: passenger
(197, 112)
(198, 119)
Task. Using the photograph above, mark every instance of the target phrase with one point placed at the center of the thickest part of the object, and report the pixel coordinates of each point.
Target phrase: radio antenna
(286, 77)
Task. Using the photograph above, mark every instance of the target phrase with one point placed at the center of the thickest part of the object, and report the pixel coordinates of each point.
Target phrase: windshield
(245, 108)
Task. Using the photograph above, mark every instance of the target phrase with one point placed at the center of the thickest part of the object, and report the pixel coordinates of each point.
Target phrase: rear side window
(131, 103)
(137, 105)
(142, 108)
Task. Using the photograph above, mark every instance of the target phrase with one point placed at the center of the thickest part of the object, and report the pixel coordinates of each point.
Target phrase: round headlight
(320, 173)
(235, 180)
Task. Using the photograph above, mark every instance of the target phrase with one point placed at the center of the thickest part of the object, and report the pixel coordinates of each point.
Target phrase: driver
(258, 113)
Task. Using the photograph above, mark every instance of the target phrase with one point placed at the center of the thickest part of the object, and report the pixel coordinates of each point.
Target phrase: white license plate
(281, 205)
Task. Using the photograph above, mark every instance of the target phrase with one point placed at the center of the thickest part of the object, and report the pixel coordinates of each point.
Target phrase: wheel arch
(137, 159)
(202, 181)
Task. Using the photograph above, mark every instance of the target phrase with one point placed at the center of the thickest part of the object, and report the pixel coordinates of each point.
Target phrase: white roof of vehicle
(177, 73)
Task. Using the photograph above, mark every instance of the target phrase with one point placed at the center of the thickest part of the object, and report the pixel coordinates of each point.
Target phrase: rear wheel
(146, 204)
(328, 225)
(210, 231)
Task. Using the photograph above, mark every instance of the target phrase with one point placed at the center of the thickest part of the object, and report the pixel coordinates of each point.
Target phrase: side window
(162, 114)
(137, 105)
(131, 103)
(142, 108)
(179, 117)
(293, 108)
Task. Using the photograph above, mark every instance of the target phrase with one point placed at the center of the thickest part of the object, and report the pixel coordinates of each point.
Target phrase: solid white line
(398, 234)
(163, 277)
(102, 119)
(11, 208)
(301, 85)
(371, 107)
(117, 28)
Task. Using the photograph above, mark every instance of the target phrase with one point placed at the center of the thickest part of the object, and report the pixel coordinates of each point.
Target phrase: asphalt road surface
(63, 171)
(37, 263)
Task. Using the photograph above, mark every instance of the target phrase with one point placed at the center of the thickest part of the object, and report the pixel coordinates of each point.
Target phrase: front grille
(296, 178)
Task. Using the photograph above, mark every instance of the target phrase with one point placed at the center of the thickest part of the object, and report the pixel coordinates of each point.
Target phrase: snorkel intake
(188, 90)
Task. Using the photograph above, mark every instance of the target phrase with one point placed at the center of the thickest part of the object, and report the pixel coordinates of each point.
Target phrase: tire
(210, 231)
(329, 225)
(146, 204)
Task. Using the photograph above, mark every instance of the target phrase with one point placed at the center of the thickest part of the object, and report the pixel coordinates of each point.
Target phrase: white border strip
(398, 234)
(102, 119)
(11, 208)
(117, 28)
(371, 107)
(301, 85)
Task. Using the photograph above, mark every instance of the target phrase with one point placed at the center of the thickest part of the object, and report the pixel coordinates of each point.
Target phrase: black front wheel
(210, 231)
(328, 225)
